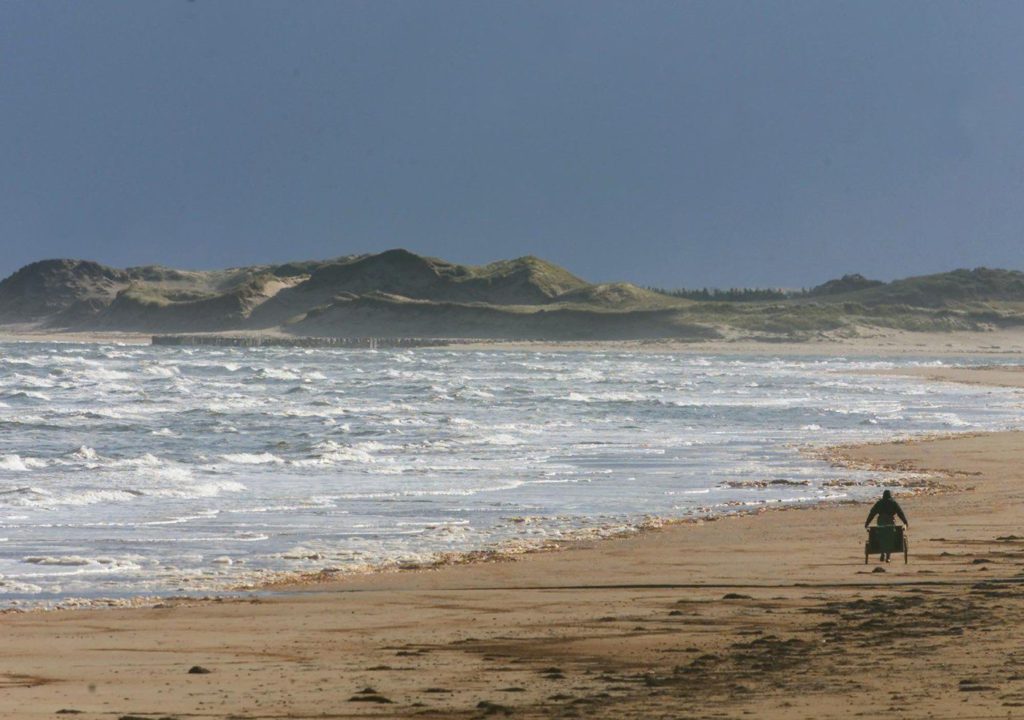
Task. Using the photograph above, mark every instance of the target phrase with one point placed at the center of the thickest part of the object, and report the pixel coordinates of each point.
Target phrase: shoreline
(507, 551)
(729, 602)
(509, 547)
(915, 484)
(1002, 376)
(631, 627)
(512, 550)
(878, 342)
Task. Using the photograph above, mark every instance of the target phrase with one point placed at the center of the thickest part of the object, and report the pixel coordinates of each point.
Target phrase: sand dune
(400, 293)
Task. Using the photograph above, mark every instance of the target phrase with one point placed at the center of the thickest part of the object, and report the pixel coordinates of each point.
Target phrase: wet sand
(993, 375)
(770, 616)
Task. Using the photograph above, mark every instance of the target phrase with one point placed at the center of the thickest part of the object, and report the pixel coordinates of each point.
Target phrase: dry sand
(994, 344)
(768, 616)
(8, 334)
(994, 375)
(882, 342)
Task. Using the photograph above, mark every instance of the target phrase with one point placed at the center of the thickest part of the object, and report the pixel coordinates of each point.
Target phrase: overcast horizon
(717, 144)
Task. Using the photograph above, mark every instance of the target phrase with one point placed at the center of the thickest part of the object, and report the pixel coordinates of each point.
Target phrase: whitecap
(84, 452)
(330, 453)
(264, 458)
(277, 374)
(16, 587)
(32, 381)
(146, 460)
(161, 371)
(207, 489)
(13, 462)
(473, 394)
(68, 561)
(30, 394)
(500, 439)
(89, 497)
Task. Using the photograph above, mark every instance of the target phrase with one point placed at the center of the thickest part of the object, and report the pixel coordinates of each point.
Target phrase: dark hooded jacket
(886, 509)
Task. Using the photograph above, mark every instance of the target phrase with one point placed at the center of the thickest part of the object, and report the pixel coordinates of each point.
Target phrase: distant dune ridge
(400, 293)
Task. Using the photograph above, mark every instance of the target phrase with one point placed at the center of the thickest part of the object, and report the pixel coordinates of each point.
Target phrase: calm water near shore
(131, 470)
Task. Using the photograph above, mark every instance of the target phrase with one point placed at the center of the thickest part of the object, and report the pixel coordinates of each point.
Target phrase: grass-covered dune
(400, 293)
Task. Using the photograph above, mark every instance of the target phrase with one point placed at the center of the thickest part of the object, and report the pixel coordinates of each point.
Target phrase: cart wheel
(906, 550)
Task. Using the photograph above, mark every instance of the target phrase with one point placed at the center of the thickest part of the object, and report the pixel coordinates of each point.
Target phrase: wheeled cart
(887, 539)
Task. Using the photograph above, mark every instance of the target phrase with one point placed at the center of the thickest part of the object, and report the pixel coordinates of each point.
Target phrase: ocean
(146, 471)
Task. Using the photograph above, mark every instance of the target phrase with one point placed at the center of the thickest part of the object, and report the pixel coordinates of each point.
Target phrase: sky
(675, 144)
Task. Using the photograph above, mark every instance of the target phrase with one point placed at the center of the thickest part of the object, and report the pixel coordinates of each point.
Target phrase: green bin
(886, 539)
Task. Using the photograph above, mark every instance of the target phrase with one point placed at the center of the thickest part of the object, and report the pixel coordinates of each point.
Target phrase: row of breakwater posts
(253, 341)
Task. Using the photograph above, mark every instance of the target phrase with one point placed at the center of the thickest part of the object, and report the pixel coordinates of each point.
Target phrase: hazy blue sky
(679, 143)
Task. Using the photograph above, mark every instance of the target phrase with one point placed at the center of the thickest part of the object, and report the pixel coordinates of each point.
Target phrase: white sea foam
(84, 452)
(16, 587)
(29, 395)
(146, 460)
(382, 457)
(500, 439)
(277, 374)
(161, 371)
(100, 374)
(91, 496)
(32, 381)
(68, 561)
(16, 463)
(252, 458)
(207, 489)
(952, 420)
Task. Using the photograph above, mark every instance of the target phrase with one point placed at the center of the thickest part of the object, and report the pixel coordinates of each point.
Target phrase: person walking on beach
(887, 510)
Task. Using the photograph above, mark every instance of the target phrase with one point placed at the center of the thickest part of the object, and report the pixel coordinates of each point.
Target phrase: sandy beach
(770, 615)
(873, 341)
(531, 360)
(881, 342)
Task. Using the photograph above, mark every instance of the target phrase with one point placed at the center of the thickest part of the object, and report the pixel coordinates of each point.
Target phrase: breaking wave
(145, 470)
